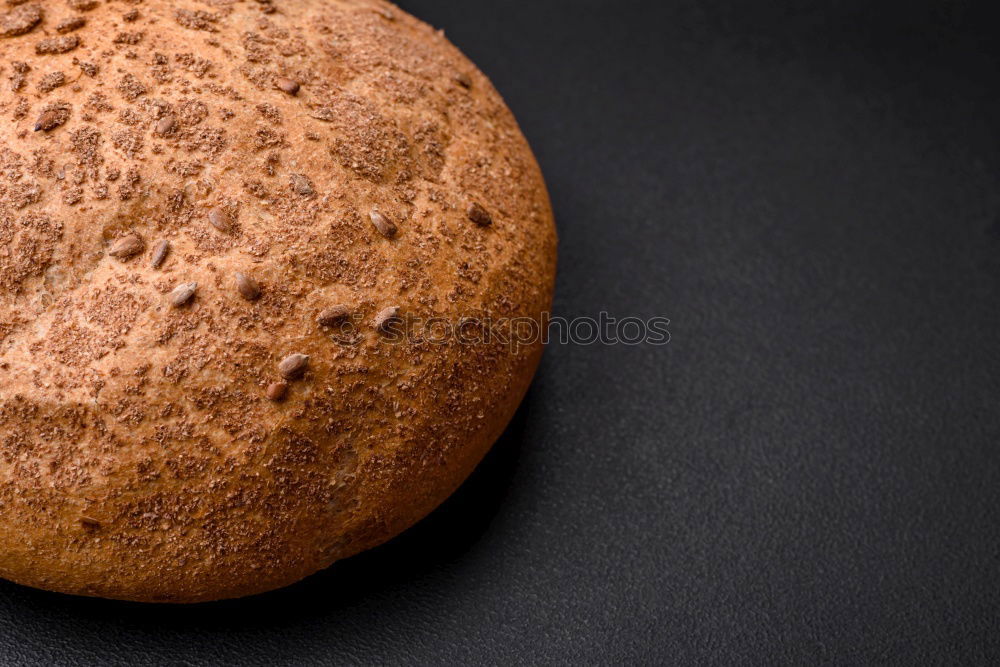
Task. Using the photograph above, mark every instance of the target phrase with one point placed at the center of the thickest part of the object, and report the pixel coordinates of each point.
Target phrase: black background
(808, 472)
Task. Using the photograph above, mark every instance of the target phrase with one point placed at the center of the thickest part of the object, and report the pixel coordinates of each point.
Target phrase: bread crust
(144, 451)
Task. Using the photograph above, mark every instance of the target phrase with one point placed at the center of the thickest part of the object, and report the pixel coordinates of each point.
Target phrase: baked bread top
(213, 216)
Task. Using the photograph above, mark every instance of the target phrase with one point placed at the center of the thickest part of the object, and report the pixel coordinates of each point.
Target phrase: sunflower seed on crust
(276, 391)
(384, 226)
(126, 247)
(385, 317)
(183, 294)
(247, 287)
(220, 220)
(293, 366)
(160, 251)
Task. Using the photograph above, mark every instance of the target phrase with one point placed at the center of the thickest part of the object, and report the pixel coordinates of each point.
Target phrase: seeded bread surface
(193, 197)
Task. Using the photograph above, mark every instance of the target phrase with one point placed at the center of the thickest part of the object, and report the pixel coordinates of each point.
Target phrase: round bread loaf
(225, 227)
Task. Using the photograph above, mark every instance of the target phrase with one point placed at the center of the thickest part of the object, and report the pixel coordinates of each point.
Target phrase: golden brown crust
(145, 453)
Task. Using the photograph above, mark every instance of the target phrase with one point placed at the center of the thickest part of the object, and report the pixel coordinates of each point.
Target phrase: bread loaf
(222, 224)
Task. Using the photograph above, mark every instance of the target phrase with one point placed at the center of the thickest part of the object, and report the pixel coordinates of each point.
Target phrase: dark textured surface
(808, 472)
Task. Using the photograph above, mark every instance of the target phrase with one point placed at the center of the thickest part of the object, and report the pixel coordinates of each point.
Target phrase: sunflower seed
(49, 120)
(165, 125)
(384, 226)
(386, 317)
(182, 294)
(160, 252)
(479, 215)
(287, 85)
(333, 315)
(90, 523)
(126, 247)
(293, 366)
(247, 287)
(276, 391)
(220, 220)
